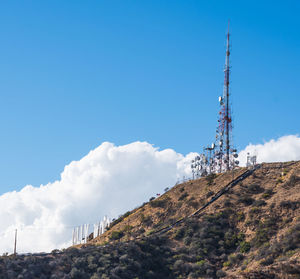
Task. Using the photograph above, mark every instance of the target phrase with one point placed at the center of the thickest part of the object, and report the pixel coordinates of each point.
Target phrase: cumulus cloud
(286, 148)
(108, 181)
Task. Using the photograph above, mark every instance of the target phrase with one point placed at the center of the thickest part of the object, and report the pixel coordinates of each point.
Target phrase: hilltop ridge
(262, 209)
(204, 228)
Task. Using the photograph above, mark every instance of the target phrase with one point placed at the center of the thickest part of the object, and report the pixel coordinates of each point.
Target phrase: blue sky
(76, 73)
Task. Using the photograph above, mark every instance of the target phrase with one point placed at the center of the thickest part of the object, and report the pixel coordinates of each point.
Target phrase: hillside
(251, 230)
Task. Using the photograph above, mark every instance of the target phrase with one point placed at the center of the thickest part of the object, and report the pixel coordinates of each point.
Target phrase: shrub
(183, 196)
(259, 203)
(179, 233)
(120, 219)
(150, 232)
(255, 189)
(221, 273)
(181, 189)
(210, 178)
(159, 203)
(246, 200)
(145, 220)
(227, 203)
(230, 239)
(227, 263)
(115, 235)
(269, 260)
(76, 273)
(95, 276)
(209, 194)
(235, 258)
(55, 251)
(187, 240)
(254, 211)
(293, 180)
(290, 204)
(191, 202)
(240, 216)
(244, 247)
(268, 193)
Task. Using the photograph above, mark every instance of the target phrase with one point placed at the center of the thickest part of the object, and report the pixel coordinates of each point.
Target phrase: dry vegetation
(253, 231)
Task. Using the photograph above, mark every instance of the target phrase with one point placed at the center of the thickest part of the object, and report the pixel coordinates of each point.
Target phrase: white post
(95, 231)
(73, 237)
(77, 240)
(86, 232)
(15, 246)
(81, 233)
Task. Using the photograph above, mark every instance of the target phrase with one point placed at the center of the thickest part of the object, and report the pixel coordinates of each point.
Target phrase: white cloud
(108, 181)
(286, 148)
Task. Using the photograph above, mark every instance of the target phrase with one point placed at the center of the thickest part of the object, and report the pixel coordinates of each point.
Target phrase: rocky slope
(251, 231)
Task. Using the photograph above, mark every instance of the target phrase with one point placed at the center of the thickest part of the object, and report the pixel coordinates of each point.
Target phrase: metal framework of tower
(220, 156)
(225, 153)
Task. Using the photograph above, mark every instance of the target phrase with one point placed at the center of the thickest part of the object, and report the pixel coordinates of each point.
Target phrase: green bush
(261, 236)
(115, 235)
(227, 263)
(245, 247)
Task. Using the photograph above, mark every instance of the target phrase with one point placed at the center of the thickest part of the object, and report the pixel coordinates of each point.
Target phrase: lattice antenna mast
(223, 156)
(227, 119)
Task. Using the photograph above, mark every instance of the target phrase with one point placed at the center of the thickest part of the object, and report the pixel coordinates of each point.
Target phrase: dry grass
(273, 190)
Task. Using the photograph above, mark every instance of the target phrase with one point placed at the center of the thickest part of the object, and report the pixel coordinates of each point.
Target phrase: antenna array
(220, 156)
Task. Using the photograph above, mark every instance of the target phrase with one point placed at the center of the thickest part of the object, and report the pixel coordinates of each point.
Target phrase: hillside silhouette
(239, 224)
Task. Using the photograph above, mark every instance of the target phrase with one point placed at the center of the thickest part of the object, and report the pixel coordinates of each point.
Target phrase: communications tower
(221, 156)
(225, 154)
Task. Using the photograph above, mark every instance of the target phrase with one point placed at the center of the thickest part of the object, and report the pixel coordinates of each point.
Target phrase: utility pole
(15, 248)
